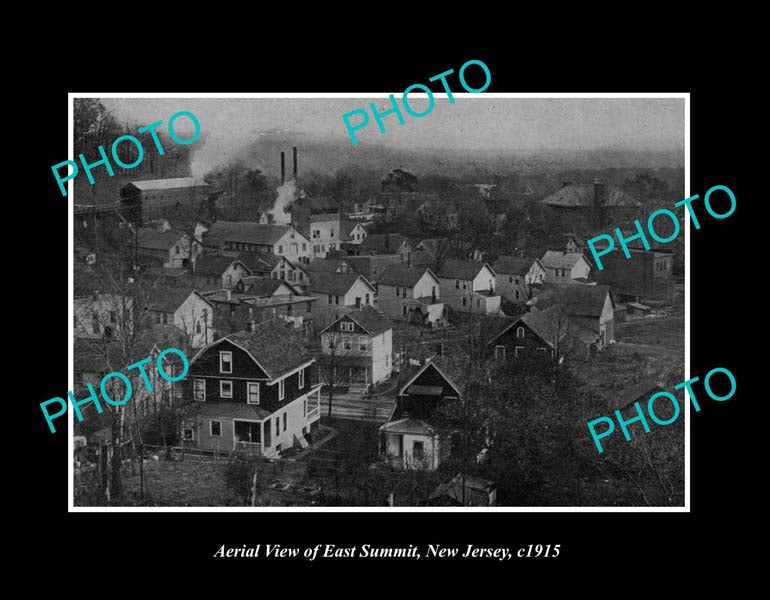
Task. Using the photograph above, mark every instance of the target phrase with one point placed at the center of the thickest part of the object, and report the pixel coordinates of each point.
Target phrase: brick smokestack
(295, 163)
(283, 168)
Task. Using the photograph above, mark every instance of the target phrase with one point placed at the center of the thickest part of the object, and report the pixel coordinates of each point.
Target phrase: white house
(187, 310)
(169, 247)
(353, 232)
(257, 238)
(411, 294)
(357, 348)
(467, 285)
(342, 289)
(325, 233)
(565, 267)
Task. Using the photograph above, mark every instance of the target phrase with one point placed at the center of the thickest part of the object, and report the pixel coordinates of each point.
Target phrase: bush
(239, 472)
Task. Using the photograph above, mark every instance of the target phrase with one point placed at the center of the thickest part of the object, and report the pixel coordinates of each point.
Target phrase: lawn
(663, 331)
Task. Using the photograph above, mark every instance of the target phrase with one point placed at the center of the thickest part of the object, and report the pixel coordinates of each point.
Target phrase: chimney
(295, 163)
(283, 168)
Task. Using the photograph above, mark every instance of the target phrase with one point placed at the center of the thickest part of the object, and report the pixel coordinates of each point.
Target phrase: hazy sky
(479, 122)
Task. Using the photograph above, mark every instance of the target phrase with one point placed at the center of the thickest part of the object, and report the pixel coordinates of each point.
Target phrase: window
(301, 377)
(329, 299)
(225, 389)
(304, 247)
(309, 305)
(176, 249)
(465, 285)
(113, 317)
(280, 249)
(499, 351)
(198, 327)
(281, 389)
(418, 450)
(199, 390)
(188, 434)
(336, 299)
(367, 299)
(397, 292)
(387, 360)
(252, 392)
(277, 426)
(215, 428)
(518, 349)
(225, 362)
(465, 301)
(516, 294)
(362, 343)
(403, 309)
(519, 332)
(457, 284)
(285, 420)
(347, 343)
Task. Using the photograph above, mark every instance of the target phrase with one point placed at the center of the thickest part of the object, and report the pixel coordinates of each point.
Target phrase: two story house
(277, 267)
(513, 277)
(252, 391)
(169, 248)
(357, 347)
(589, 307)
(103, 315)
(188, 310)
(342, 289)
(411, 294)
(217, 272)
(467, 285)
(565, 267)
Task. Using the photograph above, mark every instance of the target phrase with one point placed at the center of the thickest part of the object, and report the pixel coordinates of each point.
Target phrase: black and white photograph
(371, 311)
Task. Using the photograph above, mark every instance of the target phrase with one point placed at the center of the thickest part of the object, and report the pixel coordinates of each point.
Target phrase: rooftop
(152, 239)
(402, 276)
(277, 349)
(168, 184)
(512, 265)
(460, 269)
(555, 259)
(336, 284)
(582, 195)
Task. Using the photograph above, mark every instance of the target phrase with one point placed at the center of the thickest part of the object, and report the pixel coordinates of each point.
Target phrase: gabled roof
(403, 276)
(262, 287)
(247, 232)
(171, 299)
(259, 262)
(337, 284)
(554, 259)
(346, 226)
(462, 269)
(150, 238)
(326, 265)
(275, 348)
(168, 184)
(513, 265)
(413, 426)
(431, 363)
(214, 266)
(578, 300)
(582, 195)
(371, 320)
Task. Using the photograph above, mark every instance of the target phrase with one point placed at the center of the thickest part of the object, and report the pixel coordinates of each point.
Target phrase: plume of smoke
(287, 193)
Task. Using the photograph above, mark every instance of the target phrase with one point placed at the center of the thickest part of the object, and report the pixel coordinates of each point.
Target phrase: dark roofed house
(595, 201)
(565, 267)
(258, 238)
(188, 310)
(253, 392)
(411, 294)
(589, 306)
(342, 289)
(357, 348)
(386, 243)
(217, 272)
(166, 198)
(469, 286)
(171, 248)
(514, 276)
(411, 439)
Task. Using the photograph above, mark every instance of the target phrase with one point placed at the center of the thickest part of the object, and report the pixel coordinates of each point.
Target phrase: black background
(636, 547)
